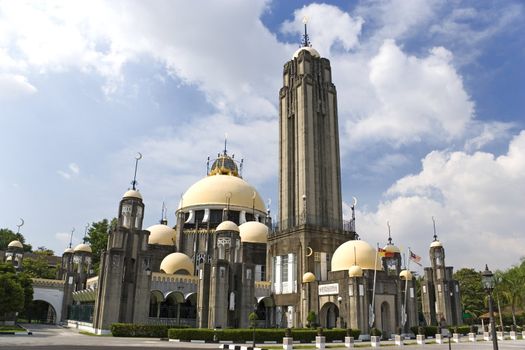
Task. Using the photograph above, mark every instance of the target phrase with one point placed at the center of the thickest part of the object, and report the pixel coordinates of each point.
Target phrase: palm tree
(511, 288)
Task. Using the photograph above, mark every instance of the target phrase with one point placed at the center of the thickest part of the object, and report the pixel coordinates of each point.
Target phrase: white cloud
(486, 134)
(328, 25)
(416, 98)
(75, 169)
(475, 199)
(15, 86)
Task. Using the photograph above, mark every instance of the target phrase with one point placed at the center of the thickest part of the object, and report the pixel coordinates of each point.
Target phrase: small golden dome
(161, 234)
(9, 258)
(254, 232)
(68, 251)
(82, 247)
(355, 271)
(15, 244)
(224, 165)
(227, 226)
(390, 248)
(405, 275)
(311, 50)
(344, 256)
(436, 244)
(177, 262)
(132, 194)
(308, 277)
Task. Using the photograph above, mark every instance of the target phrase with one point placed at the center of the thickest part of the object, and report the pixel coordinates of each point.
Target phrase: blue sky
(431, 102)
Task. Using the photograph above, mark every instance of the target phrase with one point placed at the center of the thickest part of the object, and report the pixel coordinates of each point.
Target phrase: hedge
(139, 330)
(261, 334)
(430, 331)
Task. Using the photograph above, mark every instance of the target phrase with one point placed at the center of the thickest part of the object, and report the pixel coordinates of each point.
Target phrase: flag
(415, 258)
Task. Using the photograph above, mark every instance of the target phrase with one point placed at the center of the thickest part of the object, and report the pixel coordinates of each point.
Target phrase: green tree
(472, 293)
(310, 318)
(38, 267)
(16, 291)
(7, 236)
(97, 237)
(252, 317)
(511, 288)
(44, 251)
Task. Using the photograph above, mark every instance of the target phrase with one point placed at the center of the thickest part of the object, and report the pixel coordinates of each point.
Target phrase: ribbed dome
(68, 251)
(227, 226)
(435, 244)
(161, 234)
(177, 262)
(15, 244)
(254, 232)
(355, 271)
(214, 190)
(82, 248)
(344, 258)
(405, 275)
(390, 248)
(132, 194)
(311, 50)
(308, 277)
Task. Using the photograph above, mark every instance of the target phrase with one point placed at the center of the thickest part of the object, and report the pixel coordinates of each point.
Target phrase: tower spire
(225, 143)
(435, 234)
(137, 158)
(71, 237)
(389, 234)
(306, 40)
(22, 222)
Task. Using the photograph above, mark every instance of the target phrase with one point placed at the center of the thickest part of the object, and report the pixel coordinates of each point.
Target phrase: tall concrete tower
(310, 224)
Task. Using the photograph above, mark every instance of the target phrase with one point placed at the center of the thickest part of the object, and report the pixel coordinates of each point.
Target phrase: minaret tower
(125, 274)
(310, 207)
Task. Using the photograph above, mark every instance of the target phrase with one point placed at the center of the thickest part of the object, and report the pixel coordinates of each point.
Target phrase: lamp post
(487, 279)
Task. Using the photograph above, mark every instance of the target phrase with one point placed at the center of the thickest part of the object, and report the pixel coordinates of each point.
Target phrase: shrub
(139, 330)
(375, 332)
(427, 331)
(262, 334)
(463, 330)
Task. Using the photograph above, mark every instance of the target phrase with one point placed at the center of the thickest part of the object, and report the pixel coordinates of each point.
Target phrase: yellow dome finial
(224, 164)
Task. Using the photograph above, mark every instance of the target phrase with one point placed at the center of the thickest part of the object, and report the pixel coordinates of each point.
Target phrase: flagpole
(406, 287)
(372, 308)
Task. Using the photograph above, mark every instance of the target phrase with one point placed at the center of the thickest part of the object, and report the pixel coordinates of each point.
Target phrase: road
(53, 337)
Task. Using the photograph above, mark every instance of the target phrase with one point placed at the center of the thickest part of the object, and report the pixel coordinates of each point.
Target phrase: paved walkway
(53, 337)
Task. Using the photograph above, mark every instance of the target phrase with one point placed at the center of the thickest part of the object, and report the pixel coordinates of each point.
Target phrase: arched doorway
(40, 311)
(328, 315)
(155, 300)
(386, 325)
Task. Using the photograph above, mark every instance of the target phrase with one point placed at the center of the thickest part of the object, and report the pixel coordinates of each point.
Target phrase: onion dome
(177, 263)
(436, 244)
(355, 271)
(405, 275)
(15, 244)
(68, 250)
(355, 252)
(308, 277)
(253, 232)
(224, 165)
(82, 247)
(132, 194)
(161, 234)
(218, 190)
(227, 226)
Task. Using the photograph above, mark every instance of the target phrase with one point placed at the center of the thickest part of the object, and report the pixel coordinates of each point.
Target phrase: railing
(81, 312)
(346, 226)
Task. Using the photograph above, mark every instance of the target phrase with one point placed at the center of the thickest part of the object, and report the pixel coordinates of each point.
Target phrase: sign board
(329, 289)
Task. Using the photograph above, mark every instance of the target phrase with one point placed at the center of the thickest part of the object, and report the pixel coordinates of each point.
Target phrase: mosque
(224, 258)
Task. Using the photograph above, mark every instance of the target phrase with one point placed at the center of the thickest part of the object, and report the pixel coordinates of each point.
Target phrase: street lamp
(487, 279)
(308, 278)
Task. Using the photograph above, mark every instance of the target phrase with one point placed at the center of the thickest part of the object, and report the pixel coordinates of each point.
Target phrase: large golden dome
(365, 256)
(214, 190)
(15, 244)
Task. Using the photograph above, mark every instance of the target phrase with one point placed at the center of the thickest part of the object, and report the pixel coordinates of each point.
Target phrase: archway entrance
(40, 311)
(328, 315)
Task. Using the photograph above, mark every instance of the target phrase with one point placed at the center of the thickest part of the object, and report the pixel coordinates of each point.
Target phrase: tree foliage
(97, 237)
(38, 267)
(472, 293)
(7, 236)
(16, 290)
